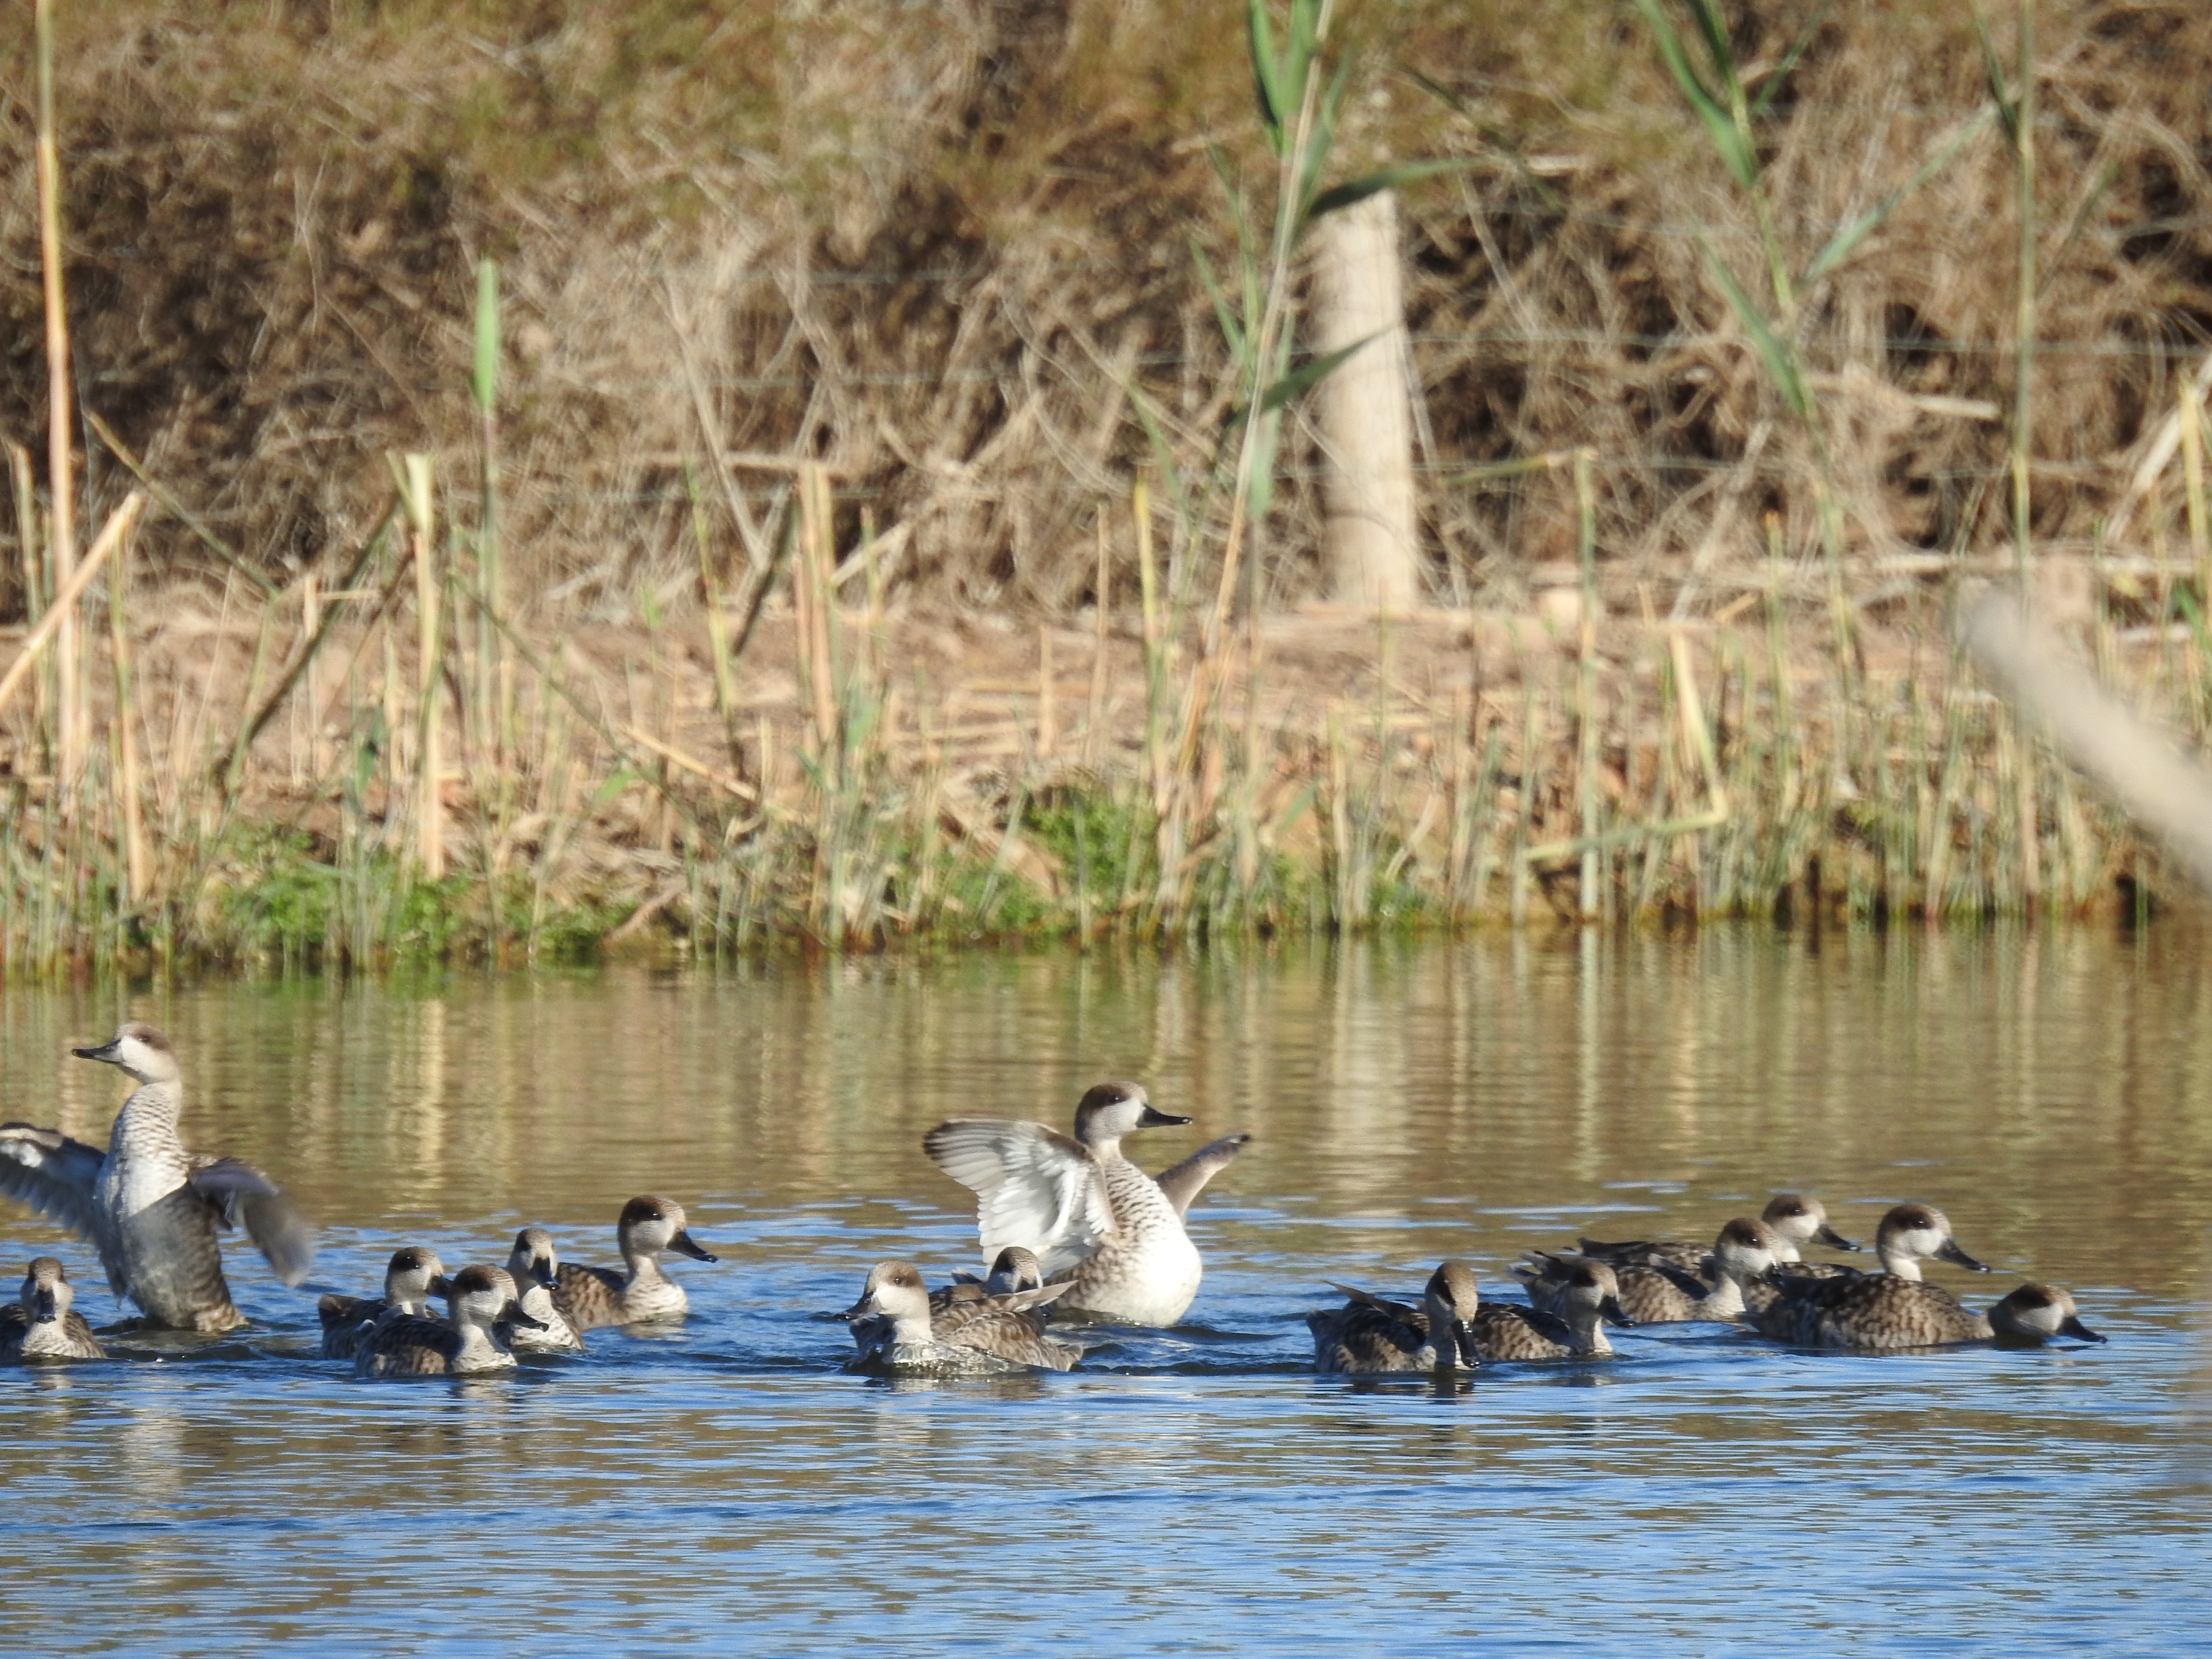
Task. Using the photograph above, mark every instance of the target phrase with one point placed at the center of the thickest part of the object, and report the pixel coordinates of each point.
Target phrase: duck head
(139, 1050)
(1110, 1110)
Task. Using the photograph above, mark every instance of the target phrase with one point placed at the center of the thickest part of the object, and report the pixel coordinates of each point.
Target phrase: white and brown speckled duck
(41, 1325)
(1873, 1312)
(1092, 1216)
(535, 1268)
(148, 1206)
(1653, 1294)
(892, 1325)
(649, 1226)
(480, 1299)
(408, 1278)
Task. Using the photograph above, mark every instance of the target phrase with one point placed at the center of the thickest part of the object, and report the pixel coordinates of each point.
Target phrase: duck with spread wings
(1095, 1220)
(149, 1207)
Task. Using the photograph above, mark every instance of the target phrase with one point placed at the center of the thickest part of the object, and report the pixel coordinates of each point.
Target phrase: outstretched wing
(57, 1176)
(1187, 1180)
(1033, 1187)
(247, 1198)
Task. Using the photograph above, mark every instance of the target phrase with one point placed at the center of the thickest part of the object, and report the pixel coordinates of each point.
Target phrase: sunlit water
(1196, 1489)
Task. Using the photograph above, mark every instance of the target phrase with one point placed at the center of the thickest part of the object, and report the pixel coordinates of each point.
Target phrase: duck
(1013, 1270)
(1876, 1312)
(1909, 1235)
(149, 1207)
(1794, 1220)
(892, 1325)
(41, 1324)
(1588, 1300)
(1093, 1218)
(1652, 1294)
(588, 1297)
(480, 1299)
(535, 1268)
(408, 1278)
(1371, 1336)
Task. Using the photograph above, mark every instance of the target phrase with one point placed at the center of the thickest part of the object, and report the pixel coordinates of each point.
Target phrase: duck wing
(57, 1176)
(1184, 1182)
(244, 1197)
(1033, 1188)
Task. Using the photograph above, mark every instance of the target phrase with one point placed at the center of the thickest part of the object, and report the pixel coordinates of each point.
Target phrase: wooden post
(1374, 547)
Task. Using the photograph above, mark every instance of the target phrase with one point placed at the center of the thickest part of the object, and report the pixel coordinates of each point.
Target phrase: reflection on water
(1193, 1489)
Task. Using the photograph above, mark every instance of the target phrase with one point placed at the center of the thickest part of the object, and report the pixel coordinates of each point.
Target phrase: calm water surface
(1195, 1490)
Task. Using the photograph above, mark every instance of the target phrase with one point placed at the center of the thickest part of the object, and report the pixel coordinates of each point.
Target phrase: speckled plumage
(1373, 1336)
(535, 1268)
(1094, 1220)
(1881, 1312)
(590, 1297)
(408, 1278)
(1652, 1294)
(1794, 1220)
(41, 1324)
(480, 1299)
(893, 1326)
(151, 1208)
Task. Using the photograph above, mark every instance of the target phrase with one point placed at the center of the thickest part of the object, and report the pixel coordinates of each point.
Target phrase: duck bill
(106, 1051)
(543, 1274)
(864, 1309)
(684, 1244)
(1958, 1258)
(1154, 1119)
(2081, 1333)
(1470, 1357)
(1834, 1240)
(439, 1287)
(43, 1311)
(514, 1315)
(1613, 1314)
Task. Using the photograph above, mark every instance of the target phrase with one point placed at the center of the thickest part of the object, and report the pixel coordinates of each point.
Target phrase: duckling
(1589, 1299)
(1908, 1235)
(589, 1298)
(1794, 1220)
(535, 1269)
(892, 1325)
(148, 1206)
(41, 1324)
(407, 1281)
(1091, 1216)
(1655, 1295)
(480, 1299)
(1370, 1335)
(1880, 1311)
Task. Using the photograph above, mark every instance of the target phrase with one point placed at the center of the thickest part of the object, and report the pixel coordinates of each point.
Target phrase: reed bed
(857, 780)
(924, 551)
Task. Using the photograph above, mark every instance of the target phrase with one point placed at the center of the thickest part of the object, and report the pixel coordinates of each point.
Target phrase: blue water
(728, 1483)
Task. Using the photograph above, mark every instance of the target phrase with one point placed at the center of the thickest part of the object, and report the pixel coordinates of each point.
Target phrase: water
(1196, 1490)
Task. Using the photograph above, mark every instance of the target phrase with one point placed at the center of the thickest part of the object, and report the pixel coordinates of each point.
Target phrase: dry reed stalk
(1048, 736)
(811, 599)
(1101, 611)
(54, 622)
(60, 512)
(137, 864)
(34, 585)
(1586, 717)
(419, 498)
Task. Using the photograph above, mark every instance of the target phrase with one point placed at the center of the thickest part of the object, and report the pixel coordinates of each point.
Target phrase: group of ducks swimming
(1069, 1223)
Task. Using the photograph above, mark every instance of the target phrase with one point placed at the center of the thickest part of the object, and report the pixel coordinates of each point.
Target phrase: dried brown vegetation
(943, 250)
